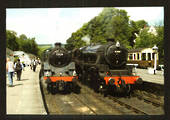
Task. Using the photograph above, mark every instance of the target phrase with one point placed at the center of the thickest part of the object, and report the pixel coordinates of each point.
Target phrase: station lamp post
(155, 49)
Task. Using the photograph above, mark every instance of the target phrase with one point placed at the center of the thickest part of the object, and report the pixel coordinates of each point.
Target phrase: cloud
(149, 14)
(57, 24)
(48, 25)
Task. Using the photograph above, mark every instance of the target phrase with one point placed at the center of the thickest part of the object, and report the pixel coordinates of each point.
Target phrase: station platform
(157, 78)
(25, 97)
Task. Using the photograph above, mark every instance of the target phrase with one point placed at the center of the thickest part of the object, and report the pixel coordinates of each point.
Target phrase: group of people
(17, 67)
(13, 67)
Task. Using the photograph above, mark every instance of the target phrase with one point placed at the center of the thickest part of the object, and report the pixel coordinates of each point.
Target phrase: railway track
(64, 104)
(90, 103)
(132, 107)
(139, 106)
(121, 106)
(85, 104)
(142, 106)
(149, 99)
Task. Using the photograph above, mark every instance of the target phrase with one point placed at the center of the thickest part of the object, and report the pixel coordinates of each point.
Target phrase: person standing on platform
(18, 68)
(34, 65)
(23, 65)
(31, 65)
(10, 71)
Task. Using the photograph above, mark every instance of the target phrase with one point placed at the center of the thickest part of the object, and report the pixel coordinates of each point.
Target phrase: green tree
(22, 39)
(147, 39)
(110, 23)
(30, 46)
(22, 43)
(11, 40)
(135, 27)
(160, 42)
(141, 24)
(116, 25)
(34, 47)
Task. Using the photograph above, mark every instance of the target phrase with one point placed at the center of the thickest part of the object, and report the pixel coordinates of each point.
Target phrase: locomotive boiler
(58, 70)
(104, 68)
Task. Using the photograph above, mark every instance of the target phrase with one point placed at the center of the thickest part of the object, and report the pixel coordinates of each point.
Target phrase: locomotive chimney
(57, 44)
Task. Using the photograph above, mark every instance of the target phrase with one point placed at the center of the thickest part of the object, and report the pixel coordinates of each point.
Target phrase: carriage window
(143, 56)
(138, 56)
(149, 56)
(134, 56)
(153, 55)
(130, 57)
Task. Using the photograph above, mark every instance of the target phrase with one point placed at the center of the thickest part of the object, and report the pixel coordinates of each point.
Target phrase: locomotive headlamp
(47, 73)
(74, 73)
(117, 44)
(61, 74)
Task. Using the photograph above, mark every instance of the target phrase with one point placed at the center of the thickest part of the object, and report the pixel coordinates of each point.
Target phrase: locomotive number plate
(59, 54)
(117, 51)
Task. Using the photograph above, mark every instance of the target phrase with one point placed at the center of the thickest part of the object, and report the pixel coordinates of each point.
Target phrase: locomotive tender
(57, 69)
(104, 67)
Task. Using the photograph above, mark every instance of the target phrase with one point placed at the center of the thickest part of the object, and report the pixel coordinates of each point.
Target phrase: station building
(142, 56)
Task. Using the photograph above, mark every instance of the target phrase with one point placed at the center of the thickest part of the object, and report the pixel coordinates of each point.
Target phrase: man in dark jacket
(18, 68)
(34, 63)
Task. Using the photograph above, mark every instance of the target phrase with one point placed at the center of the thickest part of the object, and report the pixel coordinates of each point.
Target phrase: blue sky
(50, 25)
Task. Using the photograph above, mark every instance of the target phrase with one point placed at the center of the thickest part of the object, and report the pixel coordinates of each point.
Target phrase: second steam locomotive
(57, 70)
(104, 67)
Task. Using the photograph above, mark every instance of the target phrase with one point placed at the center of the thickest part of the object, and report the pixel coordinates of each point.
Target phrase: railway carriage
(144, 57)
(104, 67)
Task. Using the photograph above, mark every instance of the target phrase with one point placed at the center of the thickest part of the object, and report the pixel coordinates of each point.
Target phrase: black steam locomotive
(104, 68)
(57, 70)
